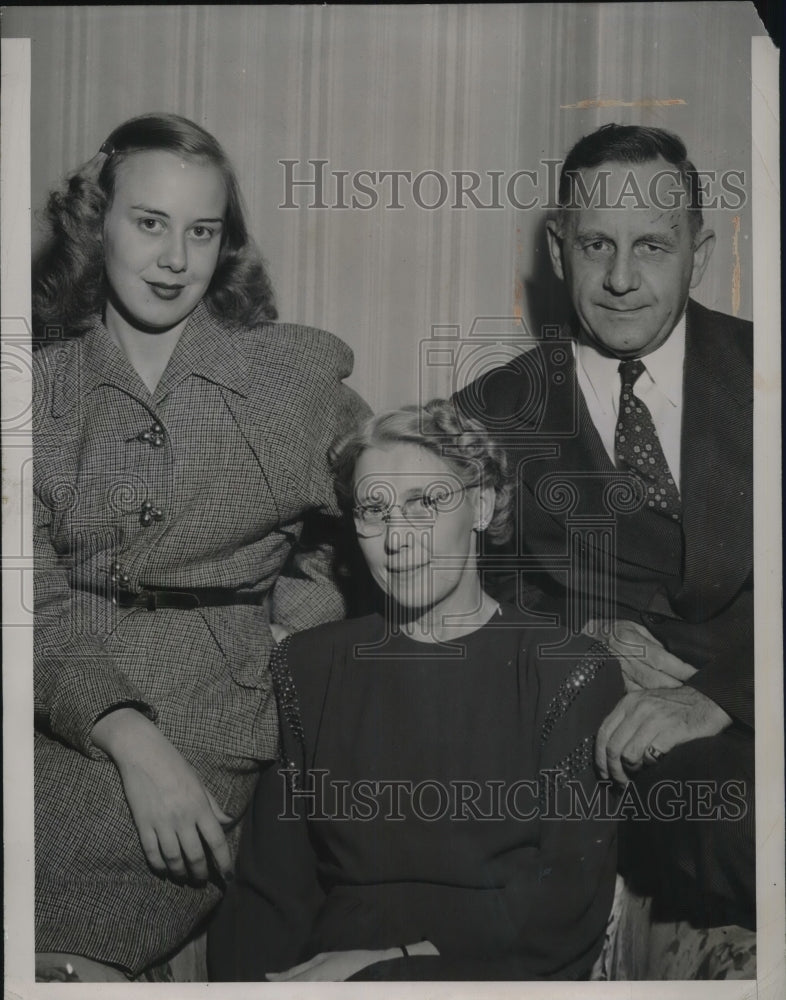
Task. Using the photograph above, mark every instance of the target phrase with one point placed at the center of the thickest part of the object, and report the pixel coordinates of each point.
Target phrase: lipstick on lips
(163, 291)
(402, 569)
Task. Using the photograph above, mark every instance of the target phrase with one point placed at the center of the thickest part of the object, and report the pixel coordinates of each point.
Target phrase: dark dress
(424, 820)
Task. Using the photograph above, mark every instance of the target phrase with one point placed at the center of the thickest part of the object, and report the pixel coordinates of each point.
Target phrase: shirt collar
(664, 365)
(206, 349)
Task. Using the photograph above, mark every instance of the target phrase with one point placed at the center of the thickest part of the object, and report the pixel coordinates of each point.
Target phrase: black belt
(197, 597)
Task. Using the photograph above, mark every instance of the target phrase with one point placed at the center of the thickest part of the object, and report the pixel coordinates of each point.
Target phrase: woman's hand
(337, 966)
(178, 820)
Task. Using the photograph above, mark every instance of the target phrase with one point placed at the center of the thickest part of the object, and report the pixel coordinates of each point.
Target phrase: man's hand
(661, 718)
(338, 966)
(645, 662)
(178, 820)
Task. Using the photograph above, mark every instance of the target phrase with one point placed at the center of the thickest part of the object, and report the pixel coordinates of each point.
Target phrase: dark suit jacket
(581, 528)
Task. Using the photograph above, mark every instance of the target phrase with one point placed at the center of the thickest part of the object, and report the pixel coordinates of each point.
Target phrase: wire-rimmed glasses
(372, 518)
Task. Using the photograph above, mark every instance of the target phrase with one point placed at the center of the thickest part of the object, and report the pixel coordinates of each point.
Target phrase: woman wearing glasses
(433, 752)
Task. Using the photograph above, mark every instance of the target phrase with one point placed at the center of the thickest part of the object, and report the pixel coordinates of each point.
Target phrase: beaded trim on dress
(289, 709)
(585, 671)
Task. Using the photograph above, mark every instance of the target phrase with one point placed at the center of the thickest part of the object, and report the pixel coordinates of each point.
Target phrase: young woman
(181, 489)
(439, 815)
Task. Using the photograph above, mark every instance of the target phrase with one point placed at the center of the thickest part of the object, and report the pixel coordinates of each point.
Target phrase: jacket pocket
(243, 634)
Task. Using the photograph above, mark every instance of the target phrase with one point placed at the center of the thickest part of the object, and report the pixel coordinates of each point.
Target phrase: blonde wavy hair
(459, 441)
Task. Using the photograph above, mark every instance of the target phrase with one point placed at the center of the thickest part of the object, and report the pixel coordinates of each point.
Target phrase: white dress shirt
(659, 387)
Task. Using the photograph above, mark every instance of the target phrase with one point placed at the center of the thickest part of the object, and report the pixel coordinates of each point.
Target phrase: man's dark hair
(631, 144)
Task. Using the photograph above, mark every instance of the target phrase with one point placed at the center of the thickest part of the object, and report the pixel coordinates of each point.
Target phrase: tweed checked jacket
(216, 479)
(246, 417)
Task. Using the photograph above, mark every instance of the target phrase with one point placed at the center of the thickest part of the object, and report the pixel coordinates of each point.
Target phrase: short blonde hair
(463, 444)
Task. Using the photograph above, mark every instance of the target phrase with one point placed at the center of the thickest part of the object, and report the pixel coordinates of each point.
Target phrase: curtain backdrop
(432, 90)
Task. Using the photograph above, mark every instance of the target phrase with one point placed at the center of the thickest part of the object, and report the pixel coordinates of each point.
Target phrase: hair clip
(107, 148)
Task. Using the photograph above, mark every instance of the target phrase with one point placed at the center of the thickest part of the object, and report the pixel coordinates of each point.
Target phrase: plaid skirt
(95, 893)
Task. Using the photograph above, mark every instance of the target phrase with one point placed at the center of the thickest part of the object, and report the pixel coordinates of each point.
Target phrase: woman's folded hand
(338, 966)
(178, 820)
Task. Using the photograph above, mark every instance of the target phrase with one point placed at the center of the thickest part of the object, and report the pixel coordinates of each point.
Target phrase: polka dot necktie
(638, 449)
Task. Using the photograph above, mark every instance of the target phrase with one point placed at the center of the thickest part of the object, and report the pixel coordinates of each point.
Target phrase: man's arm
(727, 677)
(664, 706)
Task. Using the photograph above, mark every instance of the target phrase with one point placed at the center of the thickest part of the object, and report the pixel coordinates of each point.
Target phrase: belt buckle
(147, 599)
(123, 598)
(131, 599)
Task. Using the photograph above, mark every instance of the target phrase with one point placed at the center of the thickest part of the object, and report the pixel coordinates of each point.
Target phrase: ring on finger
(652, 754)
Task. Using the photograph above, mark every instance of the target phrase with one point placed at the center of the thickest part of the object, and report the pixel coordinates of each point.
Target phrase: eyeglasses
(372, 518)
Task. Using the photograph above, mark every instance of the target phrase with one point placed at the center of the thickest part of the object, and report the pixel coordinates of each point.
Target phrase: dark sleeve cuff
(728, 681)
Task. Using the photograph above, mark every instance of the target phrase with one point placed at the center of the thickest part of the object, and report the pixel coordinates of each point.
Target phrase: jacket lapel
(717, 474)
(565, 443)
(576, 455)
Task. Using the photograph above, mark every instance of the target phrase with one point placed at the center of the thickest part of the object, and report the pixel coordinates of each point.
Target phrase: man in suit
(632, 447)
